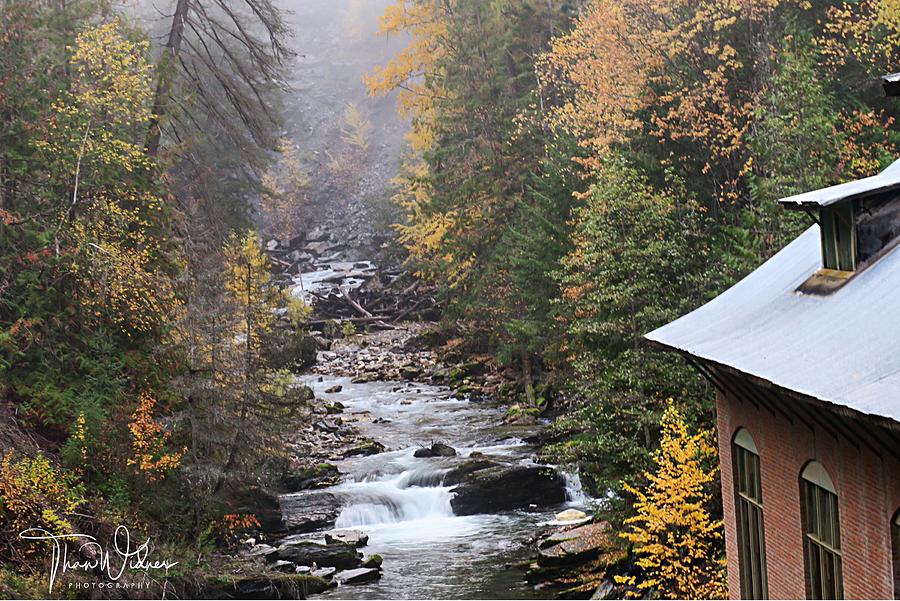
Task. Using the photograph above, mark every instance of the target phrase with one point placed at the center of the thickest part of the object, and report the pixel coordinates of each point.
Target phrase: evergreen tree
(640, 258)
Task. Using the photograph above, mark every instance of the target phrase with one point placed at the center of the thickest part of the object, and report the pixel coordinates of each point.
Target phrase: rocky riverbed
(402, 488)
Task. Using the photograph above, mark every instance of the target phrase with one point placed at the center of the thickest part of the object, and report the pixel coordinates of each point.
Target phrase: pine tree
(640, 258)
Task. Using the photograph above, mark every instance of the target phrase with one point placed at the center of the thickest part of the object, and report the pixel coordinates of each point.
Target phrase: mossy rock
(373, 561)
(266, 586)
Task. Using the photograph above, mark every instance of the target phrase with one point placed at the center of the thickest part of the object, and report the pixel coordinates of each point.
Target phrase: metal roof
(843, 348)
(887, 180)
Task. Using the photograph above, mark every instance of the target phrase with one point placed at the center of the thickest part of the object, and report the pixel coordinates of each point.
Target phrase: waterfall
(575, 494)
(394, 499)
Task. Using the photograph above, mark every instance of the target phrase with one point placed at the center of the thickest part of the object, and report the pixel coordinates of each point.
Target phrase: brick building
(805, 356)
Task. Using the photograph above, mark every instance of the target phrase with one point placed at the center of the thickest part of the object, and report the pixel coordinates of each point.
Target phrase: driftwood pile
(318, 270)
(376, 306)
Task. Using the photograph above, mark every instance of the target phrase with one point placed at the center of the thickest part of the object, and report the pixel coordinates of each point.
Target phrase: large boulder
(334, 555)
(260, 501)
(464, 469)
(311, 510)
(366, 447)
(504, 488)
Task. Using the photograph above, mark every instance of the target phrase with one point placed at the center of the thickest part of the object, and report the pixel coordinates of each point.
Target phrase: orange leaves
(603, 67)
(412, 66)
(232, 526)
(865, 143)
(149, 439)
(667, 69)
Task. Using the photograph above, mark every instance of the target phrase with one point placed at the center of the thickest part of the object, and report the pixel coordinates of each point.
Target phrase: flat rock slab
(358, 576)
(356, 538)
(326, 573)
(261, 550)
(576, 545)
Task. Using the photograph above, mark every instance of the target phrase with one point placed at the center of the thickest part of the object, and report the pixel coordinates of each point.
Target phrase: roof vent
(859, 222)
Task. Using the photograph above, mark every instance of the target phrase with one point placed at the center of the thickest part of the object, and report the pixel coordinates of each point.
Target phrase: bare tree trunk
(526, 376)
(2, 184)
(166, 75)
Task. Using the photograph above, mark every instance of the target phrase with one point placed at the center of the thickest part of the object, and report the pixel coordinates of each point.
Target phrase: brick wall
(868, 497)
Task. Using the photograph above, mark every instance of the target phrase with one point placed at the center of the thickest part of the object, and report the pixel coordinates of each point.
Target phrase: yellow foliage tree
(111, 211)
(35, 494)
(414, 74)
(867, 32)
(149, 438)
(355, 128)
(675, 538)
(249, 284)
(254, 297)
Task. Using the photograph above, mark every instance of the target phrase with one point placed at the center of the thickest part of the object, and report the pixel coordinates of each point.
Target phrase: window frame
(749, 517)
(895, 552)
(820, 508)
(838, 231)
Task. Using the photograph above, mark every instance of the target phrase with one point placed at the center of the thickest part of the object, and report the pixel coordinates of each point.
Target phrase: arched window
(749, 513)
(895, 544)
(822, 533)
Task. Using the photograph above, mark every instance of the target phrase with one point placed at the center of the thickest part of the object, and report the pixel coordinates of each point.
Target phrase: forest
(575, 174)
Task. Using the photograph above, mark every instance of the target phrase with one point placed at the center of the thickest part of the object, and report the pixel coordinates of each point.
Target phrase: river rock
(437, 449)
(356, 538)
(571, 515)
(334, 555)
(334, 408)
(369, 376)
(315, 476)
(309, 510)
(261, 502)
(334, 389)
(373, 561)
(266, 586)
(326, 573)
(317, 248)
(364, 448)
(261, 550)
(471, 465)
(288, 567)
(358, 576)
(576, 546)
(504, 488)
(324, 426)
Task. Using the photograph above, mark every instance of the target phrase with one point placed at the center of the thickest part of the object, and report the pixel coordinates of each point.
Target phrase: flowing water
(398, 499)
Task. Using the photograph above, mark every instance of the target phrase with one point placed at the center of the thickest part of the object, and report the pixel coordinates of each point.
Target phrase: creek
(399, 501)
